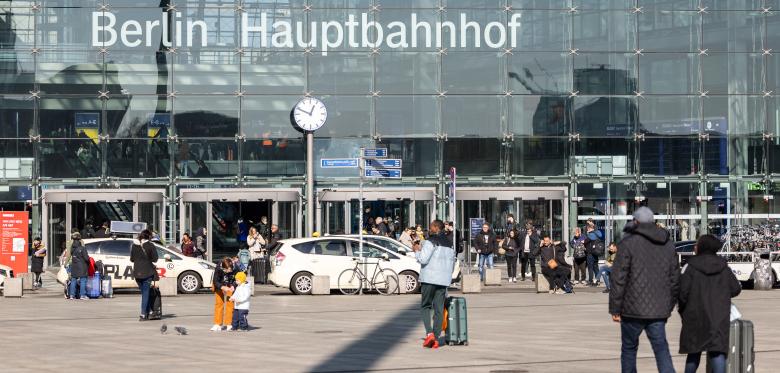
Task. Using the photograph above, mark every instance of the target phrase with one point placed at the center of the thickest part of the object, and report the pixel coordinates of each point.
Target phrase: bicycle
(384, 280)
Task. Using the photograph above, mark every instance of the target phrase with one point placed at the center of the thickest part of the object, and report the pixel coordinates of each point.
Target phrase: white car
(295, 261)
(5, 272)
(192, 274)
(398, 248)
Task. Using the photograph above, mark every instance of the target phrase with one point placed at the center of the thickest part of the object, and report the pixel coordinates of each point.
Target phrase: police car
(192, 274)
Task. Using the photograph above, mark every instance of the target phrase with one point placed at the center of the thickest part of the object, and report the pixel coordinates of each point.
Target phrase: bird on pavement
(163, 329)
(181, 330)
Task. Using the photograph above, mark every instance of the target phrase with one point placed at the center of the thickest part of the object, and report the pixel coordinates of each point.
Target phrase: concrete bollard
(251, 281)
(542, 286)
(320, 285)
(169, 286)
(12, 287)
(492, 277)
(471, 284)
(27, 280)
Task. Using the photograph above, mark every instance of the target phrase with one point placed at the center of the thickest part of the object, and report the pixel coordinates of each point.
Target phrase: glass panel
(149, 213)
(736, 115)
(741, 31)
(544, 30)
(271, 72)
(57, 232)
(540, 73)
(17, 67)
(472, 38)
(664, 28)
(138, 158)
(669, 156)
(732, 73)
(407, 116)
(347, 117)
(289, 215)
(70, 158)
(206, 116)
(602, 30)
(669, 115)
(407, 73)
(139, 117)
(540, 115)
(340, 73)
(70, 71)
(605, 156)
(224, 228)
(16, 159)
(418, 156)
(201, 71)
(334, 219)
(477, 156)
(666, 73)
(749, 155)
(16, 116)
(460, 119)
(274, 156)
(473, 72)
(269, 116)
(605, 73)
(207, 158)
(70, 117)
(605, 116)
(88, 216)
(194, 218)
(540, 156)
(131, 72)
(58, 28)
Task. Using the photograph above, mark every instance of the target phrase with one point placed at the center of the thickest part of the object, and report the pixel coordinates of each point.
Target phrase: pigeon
(163, 329)
(181, 330)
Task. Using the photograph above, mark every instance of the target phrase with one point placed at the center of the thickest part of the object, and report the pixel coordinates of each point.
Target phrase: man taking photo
(437, 260)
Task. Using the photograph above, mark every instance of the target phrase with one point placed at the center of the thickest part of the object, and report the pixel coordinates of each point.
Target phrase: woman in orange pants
(223, 286)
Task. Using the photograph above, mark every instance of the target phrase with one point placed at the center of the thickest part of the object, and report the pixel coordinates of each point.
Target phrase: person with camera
(143, 255)
(437, 260)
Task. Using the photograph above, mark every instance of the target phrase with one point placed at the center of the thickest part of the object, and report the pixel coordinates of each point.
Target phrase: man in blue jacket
(437, 260)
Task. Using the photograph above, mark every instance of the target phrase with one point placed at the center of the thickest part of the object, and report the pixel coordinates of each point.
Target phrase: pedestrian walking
(240, 299)
(187, 246)
(594, 248)
(580, 256)
(707, 285)
(486, 246)
(644, 287)
(144, 256)
(79, 267)
(36, 265)
(528, 245)
(510, 246)
(223, 287)
(553, 263)
(437, 260)
(606, 270)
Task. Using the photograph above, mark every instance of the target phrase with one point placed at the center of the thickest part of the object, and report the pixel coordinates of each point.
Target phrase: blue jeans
(239, 320)
(144, 284)
(631, 329)
(604, 273)
(82, 282)
(484, 260)
(717, 362)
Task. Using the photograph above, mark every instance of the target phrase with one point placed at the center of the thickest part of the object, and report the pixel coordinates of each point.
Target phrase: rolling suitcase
(93, 286)
(155, 300)
(106, 287)
(741, 356)
(260, 269)
(456, 332)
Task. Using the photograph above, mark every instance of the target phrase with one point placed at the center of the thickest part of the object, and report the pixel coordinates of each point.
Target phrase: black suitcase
(155, 299)
(260, 268)
(741, 356)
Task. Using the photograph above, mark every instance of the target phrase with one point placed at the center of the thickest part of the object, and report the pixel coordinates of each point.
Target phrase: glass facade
(669, 103)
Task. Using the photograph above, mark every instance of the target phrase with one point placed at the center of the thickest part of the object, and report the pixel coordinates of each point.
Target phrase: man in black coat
(79, 267)
(528, 243)
(645, 284)
(547, 251)
(707, 285)
(486, 245)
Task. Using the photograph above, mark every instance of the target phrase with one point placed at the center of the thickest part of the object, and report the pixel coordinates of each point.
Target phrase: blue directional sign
(390, 174)
(375, 153)
(339, 163)
(383, 163)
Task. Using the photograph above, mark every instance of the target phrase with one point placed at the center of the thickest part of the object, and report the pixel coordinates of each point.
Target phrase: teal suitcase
(457, 332)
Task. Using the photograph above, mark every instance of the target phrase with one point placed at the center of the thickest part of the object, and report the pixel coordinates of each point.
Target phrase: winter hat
(241, 277)
(644, 215)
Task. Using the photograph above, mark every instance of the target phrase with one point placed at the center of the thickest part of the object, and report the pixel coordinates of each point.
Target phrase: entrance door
(339, 210)
(86, 210)
(225, 213)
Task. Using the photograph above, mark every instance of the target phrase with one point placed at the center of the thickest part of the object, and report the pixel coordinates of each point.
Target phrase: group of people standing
(516, 247)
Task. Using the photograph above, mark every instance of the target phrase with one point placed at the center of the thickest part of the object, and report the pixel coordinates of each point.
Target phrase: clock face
(310, 114)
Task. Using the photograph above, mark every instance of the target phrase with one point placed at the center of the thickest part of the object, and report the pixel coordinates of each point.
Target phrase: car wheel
(302, 283)
(189, 282)
(412, 284)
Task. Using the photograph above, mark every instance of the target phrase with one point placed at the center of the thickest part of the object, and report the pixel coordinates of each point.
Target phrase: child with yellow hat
(241, 300)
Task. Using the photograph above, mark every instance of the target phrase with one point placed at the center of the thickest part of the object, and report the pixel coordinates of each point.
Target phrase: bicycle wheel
(386, 282)
(350, 282)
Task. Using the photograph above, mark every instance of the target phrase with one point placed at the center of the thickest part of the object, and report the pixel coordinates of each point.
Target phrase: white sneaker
(229, 328)
(216, 328)
(559, 291)
(552, 291)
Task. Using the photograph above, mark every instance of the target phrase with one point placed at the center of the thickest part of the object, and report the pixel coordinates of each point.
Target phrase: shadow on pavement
(365, 352)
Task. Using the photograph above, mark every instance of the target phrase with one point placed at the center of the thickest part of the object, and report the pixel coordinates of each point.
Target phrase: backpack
(244, 257)
(579, 249)
(597, 248)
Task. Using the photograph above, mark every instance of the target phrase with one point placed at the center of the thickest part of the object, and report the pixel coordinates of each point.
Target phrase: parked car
(192, 274)
(398, 248)
(296, 261)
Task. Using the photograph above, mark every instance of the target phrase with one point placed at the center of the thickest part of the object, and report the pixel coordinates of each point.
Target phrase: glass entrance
(397, 214)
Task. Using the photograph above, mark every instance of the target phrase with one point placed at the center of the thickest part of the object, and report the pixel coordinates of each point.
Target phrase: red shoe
(430, 341)
(435, 344)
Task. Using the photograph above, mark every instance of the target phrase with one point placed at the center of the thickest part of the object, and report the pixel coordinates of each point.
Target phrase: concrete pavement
(510, 332)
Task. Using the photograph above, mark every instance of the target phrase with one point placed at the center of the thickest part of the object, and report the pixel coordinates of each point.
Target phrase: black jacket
(706, 288)
(489, 247)
(510, 245)
(222, 278)
(645, 279)
(79, 266)
(546, 253)
(143, 255)
(533, 245)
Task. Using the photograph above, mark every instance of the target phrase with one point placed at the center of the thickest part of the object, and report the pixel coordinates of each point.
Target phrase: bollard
(169, 286)
(27, 280)
(12, 288)
(251, 281)
(470, 284)
(542, 286)
(492, 277)
(320, 285)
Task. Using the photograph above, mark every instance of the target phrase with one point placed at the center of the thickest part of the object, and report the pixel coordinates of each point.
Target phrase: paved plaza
(510, 332)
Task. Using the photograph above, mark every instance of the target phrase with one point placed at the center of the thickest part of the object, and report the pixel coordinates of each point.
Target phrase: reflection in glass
(477, 156)
(540, 156)
(138, 158)
(80, 158)
(206, 158)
